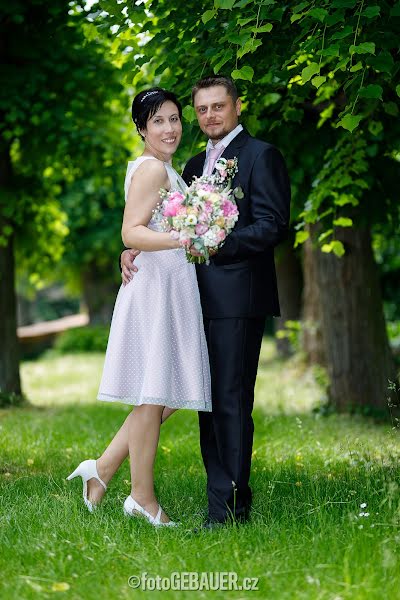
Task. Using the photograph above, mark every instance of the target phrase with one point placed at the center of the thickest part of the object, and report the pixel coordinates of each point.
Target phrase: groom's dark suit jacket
(240, 280)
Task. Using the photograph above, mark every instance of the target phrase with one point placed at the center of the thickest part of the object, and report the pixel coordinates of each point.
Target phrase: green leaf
(383, 62)
(364, 48)
(371, 91)
(371, 11)
(299, 7)
(7, 230)
(325, 235)
(309, 71)
(333, 50)
(398, 90)
(318, 81)
(343, 3)
(350, 122)
(356, 67)
(263, 29)
(343, 222)
(297, 17)
(224, 4)
(250, 46)
(243, 22)
(318, 13)
(271, 98)
(189, 113)
(335, 246)
(242, 3)
(347, 30)
(238, 193)
(227, 56)
(344, 199)
(391, 109)
(375, 127)
(301, 237)
(207, 16)
(245, 73)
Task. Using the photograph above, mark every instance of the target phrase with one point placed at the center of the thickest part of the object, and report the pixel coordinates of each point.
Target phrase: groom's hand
(128, 269)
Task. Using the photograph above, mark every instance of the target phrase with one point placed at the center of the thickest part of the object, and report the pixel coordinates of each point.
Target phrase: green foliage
(291, 332)
(82, 339)
(61, 122)
(331, 69)
(10, 399)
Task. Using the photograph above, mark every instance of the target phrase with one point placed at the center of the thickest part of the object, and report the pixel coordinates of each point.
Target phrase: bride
(156, 357)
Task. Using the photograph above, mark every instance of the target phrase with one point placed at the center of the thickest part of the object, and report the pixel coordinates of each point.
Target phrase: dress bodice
(175, 179)
(176, 182)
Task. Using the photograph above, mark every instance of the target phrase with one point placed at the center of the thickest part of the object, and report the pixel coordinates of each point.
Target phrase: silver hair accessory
(148, 94)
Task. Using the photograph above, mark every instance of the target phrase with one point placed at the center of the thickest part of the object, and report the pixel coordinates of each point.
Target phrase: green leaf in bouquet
(238, 192)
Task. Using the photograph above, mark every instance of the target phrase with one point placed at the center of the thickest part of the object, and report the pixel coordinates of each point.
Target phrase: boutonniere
(226, 169)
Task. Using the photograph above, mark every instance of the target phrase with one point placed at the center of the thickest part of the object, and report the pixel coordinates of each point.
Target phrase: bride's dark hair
(148, 102)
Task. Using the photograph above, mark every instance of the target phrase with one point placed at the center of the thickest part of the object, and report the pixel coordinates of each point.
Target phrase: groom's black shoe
(209, 526)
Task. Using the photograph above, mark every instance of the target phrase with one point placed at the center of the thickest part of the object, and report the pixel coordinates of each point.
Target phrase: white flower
(191, 220)
(363, 505)
(209, 239)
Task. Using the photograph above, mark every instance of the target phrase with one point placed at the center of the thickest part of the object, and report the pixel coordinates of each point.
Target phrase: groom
(238, 290)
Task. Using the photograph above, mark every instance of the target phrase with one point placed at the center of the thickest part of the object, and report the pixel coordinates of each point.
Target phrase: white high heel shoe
(132, 509)
(87, 470)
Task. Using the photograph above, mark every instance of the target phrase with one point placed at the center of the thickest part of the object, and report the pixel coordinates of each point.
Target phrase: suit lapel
(198, 167)
(233, 149)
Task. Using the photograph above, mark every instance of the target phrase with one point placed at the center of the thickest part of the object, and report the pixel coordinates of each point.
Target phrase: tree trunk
(289, 276)
(359, 360)
(10, 382)
(313, 343)
(99, 293)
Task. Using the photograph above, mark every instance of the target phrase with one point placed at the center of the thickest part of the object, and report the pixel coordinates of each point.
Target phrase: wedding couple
(184, 336)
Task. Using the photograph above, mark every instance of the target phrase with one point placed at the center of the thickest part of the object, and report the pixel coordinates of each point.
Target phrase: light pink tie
(213, 156)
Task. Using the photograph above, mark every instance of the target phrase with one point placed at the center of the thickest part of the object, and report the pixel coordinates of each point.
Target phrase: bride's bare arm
(143, 197)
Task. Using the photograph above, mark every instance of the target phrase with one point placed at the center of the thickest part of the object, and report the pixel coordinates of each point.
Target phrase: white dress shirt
(222, 144)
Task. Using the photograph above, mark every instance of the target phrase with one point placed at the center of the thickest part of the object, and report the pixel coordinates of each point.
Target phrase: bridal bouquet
(201, 216)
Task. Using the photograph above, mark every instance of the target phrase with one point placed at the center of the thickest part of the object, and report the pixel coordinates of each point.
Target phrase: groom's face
(216, 112)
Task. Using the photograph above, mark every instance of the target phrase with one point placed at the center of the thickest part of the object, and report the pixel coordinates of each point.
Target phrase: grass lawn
(326, 512)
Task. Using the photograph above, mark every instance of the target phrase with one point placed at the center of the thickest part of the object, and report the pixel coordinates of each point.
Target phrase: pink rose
(203, 217)
(176, 197)
(221, 235)
(201, 228)
(228, 208)
(185, 241)
(173, 207)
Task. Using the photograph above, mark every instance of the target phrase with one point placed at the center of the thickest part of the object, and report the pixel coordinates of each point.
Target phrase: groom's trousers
(226, 434)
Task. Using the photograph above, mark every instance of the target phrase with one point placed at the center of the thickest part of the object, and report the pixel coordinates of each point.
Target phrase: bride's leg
(167, 412)
(113, 456)
(144, 432)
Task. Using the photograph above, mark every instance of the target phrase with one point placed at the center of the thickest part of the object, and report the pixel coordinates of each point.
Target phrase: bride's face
(163, 131)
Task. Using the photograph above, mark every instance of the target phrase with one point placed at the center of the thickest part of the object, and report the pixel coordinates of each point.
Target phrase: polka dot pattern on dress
(157, 350)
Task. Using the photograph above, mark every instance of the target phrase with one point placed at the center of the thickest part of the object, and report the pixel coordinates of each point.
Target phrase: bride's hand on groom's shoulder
(128, 268)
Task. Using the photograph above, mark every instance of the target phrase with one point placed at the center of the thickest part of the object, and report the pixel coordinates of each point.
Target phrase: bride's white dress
(157, 351)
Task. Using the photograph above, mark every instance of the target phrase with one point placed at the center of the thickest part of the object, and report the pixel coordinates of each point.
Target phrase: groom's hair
(213, 80)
